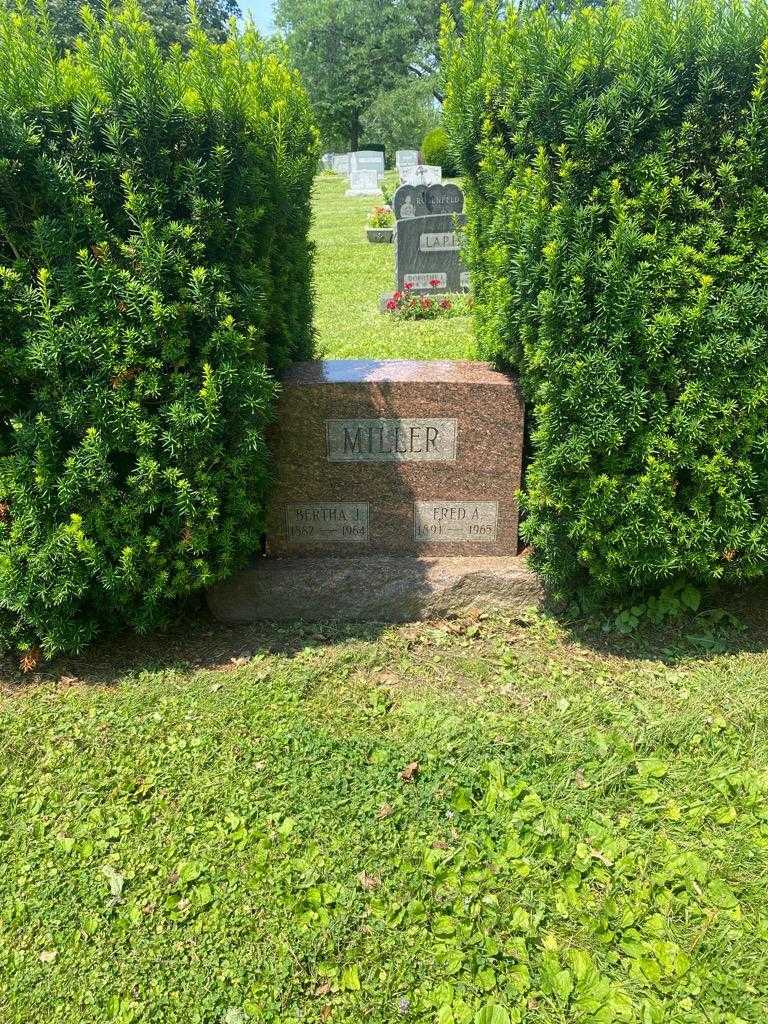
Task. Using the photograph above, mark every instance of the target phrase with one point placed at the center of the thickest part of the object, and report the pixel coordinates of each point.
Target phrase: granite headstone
(363, 183)
(406, 158)
(421, 200)
(428, 249)
(367, 160)
(396, 457)
(395, 497)
(421, 174)
(341, 163)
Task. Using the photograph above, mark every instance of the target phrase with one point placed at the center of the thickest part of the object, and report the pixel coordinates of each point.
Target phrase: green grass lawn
(481, 821)
(229, 826)
(352, 274)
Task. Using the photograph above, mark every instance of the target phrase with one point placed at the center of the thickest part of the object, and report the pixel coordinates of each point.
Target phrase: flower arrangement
(408, 305)
(381, 217)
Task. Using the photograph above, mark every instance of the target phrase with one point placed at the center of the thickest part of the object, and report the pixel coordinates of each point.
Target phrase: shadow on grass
(735, 623)
(732, 621)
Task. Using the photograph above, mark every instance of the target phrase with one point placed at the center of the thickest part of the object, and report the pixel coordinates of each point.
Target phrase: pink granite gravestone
(395, 496)
(396, 458)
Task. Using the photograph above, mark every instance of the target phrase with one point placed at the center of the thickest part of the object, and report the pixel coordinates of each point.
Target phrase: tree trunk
(354, 132)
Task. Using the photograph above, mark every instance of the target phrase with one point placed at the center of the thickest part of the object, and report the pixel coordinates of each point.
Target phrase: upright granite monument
(367, 160)
(406, 158)
(395, 495)
(421, 174)
(428, 254)
(428, 239)
(363, 183)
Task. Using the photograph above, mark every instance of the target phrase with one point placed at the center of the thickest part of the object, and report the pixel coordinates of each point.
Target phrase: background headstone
(327, 161)
(421, 174)
(406, 158)
(367, 160)
(428, 249)
(422, 200)
(341, 163)
(363, 183)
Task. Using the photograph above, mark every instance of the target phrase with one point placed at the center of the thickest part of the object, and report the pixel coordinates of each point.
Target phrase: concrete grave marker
(421, 174)
(363, 183)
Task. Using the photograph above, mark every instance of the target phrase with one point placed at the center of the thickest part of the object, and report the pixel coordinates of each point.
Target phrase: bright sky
(261, 11)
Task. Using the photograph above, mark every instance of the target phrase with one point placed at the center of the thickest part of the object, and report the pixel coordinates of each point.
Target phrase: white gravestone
(341, 163)
(367, 160)
(406, 158)
(363, 183)
(421, 174)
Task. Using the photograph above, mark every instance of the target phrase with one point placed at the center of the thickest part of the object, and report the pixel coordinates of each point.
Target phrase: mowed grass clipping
(351, 275)
(482, 821)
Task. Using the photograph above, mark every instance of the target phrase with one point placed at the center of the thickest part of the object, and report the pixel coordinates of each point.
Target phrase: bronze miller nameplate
(391, 440)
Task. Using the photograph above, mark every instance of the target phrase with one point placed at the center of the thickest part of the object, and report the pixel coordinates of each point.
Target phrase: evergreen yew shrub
(154, 273)
(436, 151)
(616, 162)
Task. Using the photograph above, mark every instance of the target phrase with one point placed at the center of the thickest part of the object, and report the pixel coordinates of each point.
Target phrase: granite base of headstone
(376, 588)
(395, 496)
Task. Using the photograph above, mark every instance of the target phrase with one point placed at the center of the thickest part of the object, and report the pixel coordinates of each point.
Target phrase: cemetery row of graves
(424, 220)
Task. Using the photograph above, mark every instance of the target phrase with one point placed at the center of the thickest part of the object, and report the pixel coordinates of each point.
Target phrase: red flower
(425, 302)
(445, 304)
(391, 304)
(435, 283)
(408, 287)
(397, 296)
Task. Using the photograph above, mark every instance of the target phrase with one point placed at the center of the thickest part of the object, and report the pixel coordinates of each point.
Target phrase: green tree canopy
(169, 18)
(351, 51)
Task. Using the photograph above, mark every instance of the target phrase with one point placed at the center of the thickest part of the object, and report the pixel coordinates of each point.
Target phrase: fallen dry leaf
(48, 956)
(68, 680)
(326, 1012)
(367, 881)
(30, 659)
(385, 811)
(579, 780)
(323, 989)
(409, 773)
(599, 855)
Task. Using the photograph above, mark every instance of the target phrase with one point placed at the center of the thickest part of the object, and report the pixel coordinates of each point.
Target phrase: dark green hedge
(154, 272)
(436, 151)
(616, 162)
